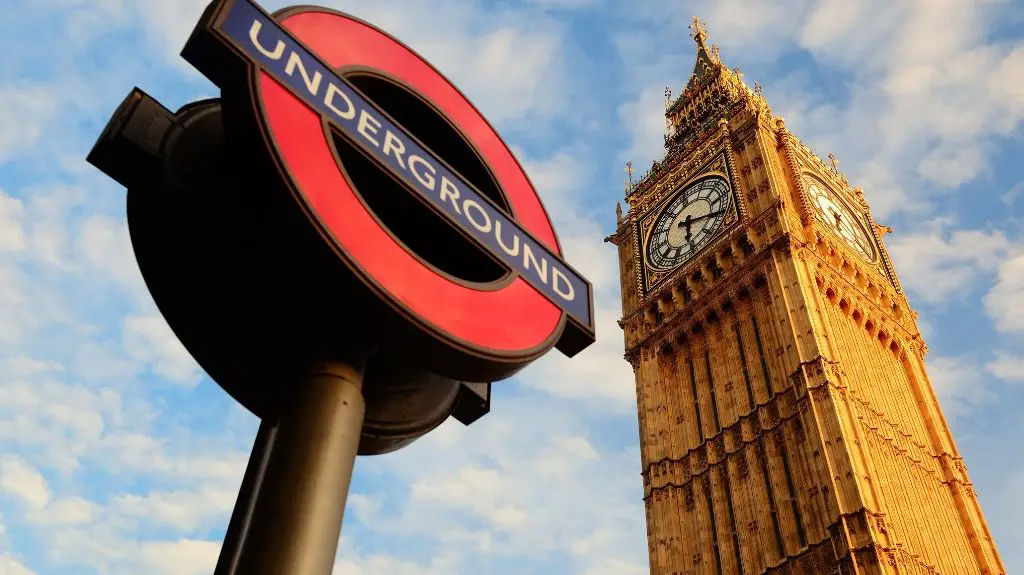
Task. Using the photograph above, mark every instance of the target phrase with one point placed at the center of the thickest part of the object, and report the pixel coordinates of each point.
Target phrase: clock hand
(844, 224)
(838, 217)
(847, 229)
(689, 221)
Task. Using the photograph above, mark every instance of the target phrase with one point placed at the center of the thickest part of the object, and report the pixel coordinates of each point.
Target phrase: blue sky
(117, 456)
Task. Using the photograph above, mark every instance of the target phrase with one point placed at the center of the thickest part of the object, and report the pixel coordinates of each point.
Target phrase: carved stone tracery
(811, 436)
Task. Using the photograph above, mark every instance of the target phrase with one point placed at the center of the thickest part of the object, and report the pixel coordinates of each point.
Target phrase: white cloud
(511, 72)
(150, 340)
(959, 384)
(482, 490)
(1007, 367)
(644, 121)
(105, 244)
(937, 263)
(943, 92)
(597, 373)
(25, 113)
(521, 482)
(182, 557)
(9, 566)
(48, 222)
(181, 510)
(1010, 498)
(72, 428)
(61, 422)
(12, 236)
(16, 315)
(138, 452)
(828, 25)
(381, 564)
(510, 63)
(562, 182)
(21, 479)
(65, 511)
(22, 366)
(616, 567)
(953, 165)
(739, 24)
(1003, 301)
(1012, 194)
(557, 179)
(566, 3)
(110, 537)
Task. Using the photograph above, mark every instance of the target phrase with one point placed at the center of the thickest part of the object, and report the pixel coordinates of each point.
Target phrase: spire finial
(618, 212)
(714, 53)
(629, 173)
(668, 97)
(699, 34)
(835, 162)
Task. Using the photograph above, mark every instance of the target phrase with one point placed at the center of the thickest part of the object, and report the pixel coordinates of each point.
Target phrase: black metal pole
(241, 516)
(296, 520)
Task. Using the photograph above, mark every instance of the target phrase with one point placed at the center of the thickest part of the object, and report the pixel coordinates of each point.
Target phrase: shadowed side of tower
(787, 422)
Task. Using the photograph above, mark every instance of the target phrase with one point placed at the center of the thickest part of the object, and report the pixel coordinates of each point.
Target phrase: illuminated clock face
(833, 213)
(688, 223)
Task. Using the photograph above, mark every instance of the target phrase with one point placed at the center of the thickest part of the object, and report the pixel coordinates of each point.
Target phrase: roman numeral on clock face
(688, 222)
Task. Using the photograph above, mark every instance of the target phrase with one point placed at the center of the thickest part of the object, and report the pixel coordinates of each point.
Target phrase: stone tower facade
(786, 419)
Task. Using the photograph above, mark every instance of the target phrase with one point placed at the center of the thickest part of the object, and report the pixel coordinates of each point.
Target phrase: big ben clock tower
(786, 419)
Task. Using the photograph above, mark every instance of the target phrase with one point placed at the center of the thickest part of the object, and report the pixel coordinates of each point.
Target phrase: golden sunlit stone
(787, 422)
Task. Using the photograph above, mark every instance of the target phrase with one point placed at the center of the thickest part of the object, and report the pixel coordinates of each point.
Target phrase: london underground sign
(345, 245)
(294, 64)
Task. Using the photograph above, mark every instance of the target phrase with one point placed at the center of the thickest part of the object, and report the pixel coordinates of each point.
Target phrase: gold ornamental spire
(708, 58)
(698, 32)
(835, 162)
(711, 88)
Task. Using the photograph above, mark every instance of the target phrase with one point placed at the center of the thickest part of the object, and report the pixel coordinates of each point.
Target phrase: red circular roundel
(512, 319)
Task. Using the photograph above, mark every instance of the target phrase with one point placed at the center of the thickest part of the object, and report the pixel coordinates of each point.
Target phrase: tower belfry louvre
(787, 423)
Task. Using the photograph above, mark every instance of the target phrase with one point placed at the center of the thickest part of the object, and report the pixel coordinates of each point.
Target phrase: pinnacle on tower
(698, 33)
(708, 58)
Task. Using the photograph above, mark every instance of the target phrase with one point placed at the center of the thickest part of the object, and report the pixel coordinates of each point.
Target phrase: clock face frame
(691, 219)
(844, 222)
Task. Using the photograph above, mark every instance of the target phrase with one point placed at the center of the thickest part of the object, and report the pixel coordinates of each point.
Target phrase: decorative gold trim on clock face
(848, 224)
(671, 206)
(692, 217)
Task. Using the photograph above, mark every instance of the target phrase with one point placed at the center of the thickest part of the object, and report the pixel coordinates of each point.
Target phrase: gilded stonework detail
(788, 425)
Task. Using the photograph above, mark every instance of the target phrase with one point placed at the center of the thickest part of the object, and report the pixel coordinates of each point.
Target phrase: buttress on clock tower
(786, 420)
